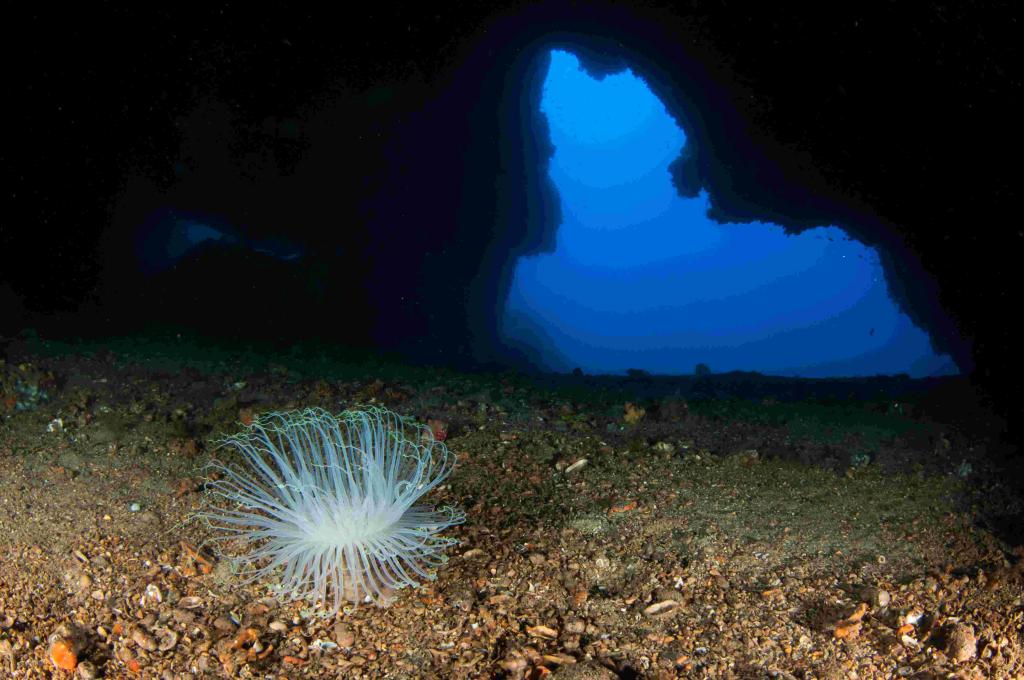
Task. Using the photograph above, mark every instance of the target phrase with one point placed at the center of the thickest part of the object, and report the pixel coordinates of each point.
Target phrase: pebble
(961, 645)
(87, 671)
(912, 617)
(144, 640)
(876, 597)
(462, 597)
(324, 645)
(190, 602)
(168, 639)
(668, 594)
(559, 659)
(278, 626)
(542, 632)
(343, 635)
(153, 593)
(224, 623)
(578, 465)
(663, 608)
(575, 626)
(516, 663)
(183, 616)
(587, 670)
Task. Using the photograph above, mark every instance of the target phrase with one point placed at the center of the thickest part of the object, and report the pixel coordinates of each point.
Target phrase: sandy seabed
(623, 538)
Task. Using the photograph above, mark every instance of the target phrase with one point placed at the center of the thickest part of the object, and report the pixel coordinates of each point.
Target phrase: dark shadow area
(402, 153)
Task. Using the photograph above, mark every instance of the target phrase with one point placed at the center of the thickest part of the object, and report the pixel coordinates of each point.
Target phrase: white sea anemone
(329, 499)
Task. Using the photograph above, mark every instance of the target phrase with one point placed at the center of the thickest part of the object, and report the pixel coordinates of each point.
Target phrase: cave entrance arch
(641, 277)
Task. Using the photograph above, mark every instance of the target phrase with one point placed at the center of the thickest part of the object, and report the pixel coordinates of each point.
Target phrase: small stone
(961, 645)
(462, 598)
(183, 616)
(913, 617)
(153, 593)
(575, 627)
(144, 640)
(324, 645)
(168, 639)
(847, 629)
(668, 594)
(515, 663)
(674, 656)
(542, 632)
(663, 608)
(587, 670)
(343, 635)
(876, 597)
(224, 623)
(278, 626)
(578, 465)
(190, 602)
(87, 671)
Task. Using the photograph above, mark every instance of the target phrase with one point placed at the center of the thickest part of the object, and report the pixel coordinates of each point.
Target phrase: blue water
(642, 278)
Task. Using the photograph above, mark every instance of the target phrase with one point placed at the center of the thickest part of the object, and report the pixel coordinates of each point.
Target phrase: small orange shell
(63, 655)
(847, 629)
(857, 615)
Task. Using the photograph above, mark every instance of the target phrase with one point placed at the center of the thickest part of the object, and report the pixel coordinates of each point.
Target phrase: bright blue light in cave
(642, 278)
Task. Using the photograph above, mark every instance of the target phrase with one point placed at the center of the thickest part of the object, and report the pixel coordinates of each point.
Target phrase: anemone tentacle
(332, 501)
